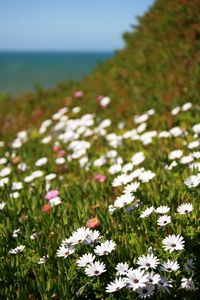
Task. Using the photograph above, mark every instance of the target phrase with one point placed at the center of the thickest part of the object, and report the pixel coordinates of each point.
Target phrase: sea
(21, 72)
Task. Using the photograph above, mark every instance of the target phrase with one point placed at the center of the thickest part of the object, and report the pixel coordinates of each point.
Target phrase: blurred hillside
(159, 67)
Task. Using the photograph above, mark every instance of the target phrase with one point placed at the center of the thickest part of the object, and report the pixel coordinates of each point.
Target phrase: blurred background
(45, 42)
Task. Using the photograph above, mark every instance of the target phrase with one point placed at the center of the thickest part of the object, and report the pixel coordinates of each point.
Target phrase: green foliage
(159, 69)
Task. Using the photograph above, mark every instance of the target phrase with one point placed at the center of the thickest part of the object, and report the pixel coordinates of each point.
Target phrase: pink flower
(61, 153)
(51, 194)
(100, 178)
(56, 148)
(46, 208)
(92, 223)
(78, 94)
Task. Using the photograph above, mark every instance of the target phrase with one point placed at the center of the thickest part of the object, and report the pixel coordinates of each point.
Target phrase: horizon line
(59, 50)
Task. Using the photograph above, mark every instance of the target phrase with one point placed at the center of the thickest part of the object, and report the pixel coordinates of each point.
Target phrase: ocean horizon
(22, 71)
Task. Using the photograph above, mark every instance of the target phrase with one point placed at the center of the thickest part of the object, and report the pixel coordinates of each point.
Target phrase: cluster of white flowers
(125, 179)
(88, 261)
(145, 280)
(71, 140)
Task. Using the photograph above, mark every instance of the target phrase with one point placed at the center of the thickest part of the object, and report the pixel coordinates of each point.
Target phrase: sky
(67, 25)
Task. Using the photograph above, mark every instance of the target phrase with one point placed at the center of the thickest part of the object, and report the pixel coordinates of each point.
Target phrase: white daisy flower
(92, 237)
(164, 285)
(131, 188)
(60, 160)
(28, 178)
(96, 269)
(192, 181)
(105, 123)
(46, 140)
(50, 176)
(146, 138)
(17, 250)
(141, 128)
(22, 135)
(184, 208)
(175, 110)
(193, 144)
(137, 173)
(147, 212)
(111, 209)
(176, 131)
(136, 279)
(43, 259)
(115, 169)
(162, 210)
(16, 233)
(65, 251)
(85, 260)
(190, 265)
(111, 154)
(15, 195)
(4, 181)
(105, 248)
(196, 128)
(164, 134)
(186, 106)
(171, 166)
(105, 101)
(141, 118)
(151, 112)
(127, 167)
(17, 143)
(123, 200)
(173, 242)
(3, 160)
(37, 174)
(41, 162)
(122, 269)
(22, 166)
(2, 144)
(175, 154)
(121, 125)
(46, 123)
(17, 186)
(34, 236)
(55, 201)
(149, 261)
(79, 236)
(187, 284)
(164, 220)
(146, 176)
(118, 181)
(196, 155)
(121, 179)
(115, 285)
(76, 109)
(146, 292)
(138, 158)
(186, 159)
(153, 278)
(170, 266)
(99, 162)
(2, 205)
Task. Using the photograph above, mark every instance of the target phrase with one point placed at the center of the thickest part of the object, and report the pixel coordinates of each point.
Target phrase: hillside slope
(159, 66)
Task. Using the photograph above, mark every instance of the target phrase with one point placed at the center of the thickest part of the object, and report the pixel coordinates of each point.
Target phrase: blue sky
(67, 24)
